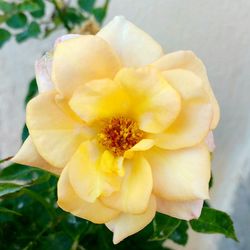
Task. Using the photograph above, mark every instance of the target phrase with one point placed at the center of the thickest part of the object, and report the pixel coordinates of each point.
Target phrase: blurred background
(219, 33)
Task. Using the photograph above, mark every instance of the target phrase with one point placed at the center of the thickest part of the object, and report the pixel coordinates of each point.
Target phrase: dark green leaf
(21, 37)
(29, 6)
(7, 7)
(10, 187)
(17, 21)
(8, 211)
(214, 221)
(34, 29)
(180, 235)
(41, 11)
(32, 90)
(211, 181)
(25, 133)
(163, 226)
(73, 16)
(87, 5)
(4, 36)
(3, 18)
(99, 14)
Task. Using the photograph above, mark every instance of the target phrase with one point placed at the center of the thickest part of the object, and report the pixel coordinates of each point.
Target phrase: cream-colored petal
(136, 187)
(134, 46)
(100, 99)
(43, 73)
(127, 224)
(93, 172)
(193, 123)
(209, 141)
(28, 155)
(64, 38)
(54, 128)
(154, 103)
(69, 201)
(189, 61)
(184, 210)
(80, 60)
(180, 175)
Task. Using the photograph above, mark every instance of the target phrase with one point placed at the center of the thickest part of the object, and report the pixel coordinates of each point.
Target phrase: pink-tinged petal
(43, 73)
(180, 175)
(184, 210)
(28, 155)
(127, 224)
(134, 47)
(210, 142)
(69, 201)
(64, 38)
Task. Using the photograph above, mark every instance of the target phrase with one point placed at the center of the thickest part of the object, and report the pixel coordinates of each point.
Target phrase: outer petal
(184, 210)
(54, 128)
(99, 99)
(136, 188)
(180, 175)
(69, 201)
(154, 103)
(134, 46)
(65, 37)
(128, 224)
(93, 172)
(193, 123)
(28, 155)
(209, 140)
(80, 60)
(189, 61)
(43, 73)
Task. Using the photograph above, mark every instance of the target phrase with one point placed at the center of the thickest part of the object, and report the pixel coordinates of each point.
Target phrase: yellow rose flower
(124, 126)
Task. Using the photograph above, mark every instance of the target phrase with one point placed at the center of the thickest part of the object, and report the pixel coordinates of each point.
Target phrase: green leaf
(163, 226)
(17, 21)
(25, 133)
(87, 5)
(8, 211)
(4, 36)
(34, 29)
(7, 7)
(10, 187)
(29, 6)
(180, 235)
(73, 16)
(21, 37)
(41, 12)
(99, 14)
(214, 221)
(32, 91)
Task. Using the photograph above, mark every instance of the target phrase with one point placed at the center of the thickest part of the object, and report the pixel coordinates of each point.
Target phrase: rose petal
(127, 224)
(184, 210)
(209, 140)
(69, 201)
(134, 47)
(28, 155)
(80, 60)
(64, 38)
(180, 175)
(189, 61)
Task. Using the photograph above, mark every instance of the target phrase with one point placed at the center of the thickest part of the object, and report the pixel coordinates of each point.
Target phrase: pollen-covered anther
(119, 134)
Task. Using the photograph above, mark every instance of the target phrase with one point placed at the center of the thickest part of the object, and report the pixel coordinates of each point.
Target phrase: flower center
(120, 134)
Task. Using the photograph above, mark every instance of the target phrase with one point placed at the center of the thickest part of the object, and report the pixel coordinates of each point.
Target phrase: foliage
(29, 215)
(24, 19)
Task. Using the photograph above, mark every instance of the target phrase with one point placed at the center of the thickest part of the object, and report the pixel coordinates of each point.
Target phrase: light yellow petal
(92, 172)
(184, 210)
(136, 187)
(28, 155)
(134, 47)
(100, 99)
(180, 175)
(69, 201)
(80, 60)
(189, 61)
(54, 129)
(127, 224)
(193, 123)
(155, 104)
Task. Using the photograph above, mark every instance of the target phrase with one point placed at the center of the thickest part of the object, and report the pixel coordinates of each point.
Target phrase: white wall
(218, 31)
